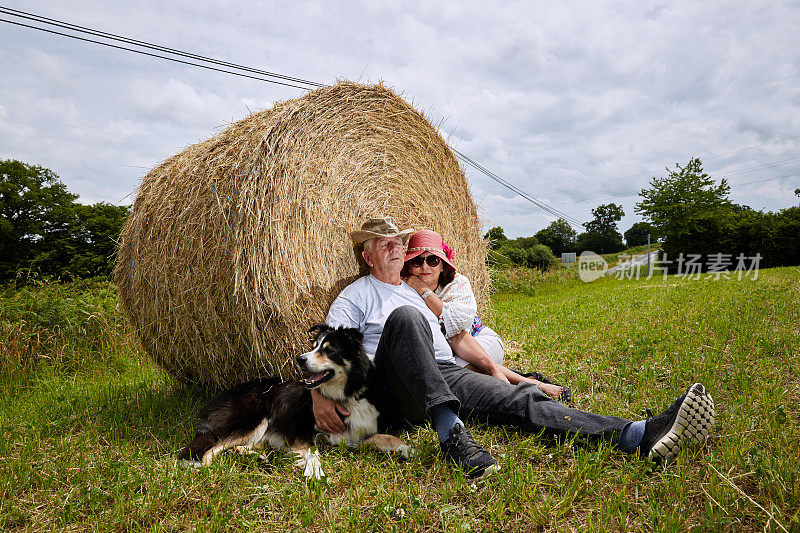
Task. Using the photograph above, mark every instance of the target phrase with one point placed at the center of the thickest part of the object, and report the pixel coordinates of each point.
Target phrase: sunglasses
(432, 261)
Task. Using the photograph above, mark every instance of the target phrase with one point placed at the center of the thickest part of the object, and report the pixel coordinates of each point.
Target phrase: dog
(273, 413)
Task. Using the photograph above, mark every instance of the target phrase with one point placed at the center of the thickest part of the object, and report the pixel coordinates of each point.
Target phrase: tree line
(43, 229)
(543, 249)
(695, 216)
(686, 210)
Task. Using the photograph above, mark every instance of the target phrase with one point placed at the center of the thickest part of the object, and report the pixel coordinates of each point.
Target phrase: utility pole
(648, 255)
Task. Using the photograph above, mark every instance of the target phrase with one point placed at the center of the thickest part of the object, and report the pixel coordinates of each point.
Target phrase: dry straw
(236, 245)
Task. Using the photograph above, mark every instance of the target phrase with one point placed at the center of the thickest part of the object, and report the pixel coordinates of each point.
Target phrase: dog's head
(337, 365)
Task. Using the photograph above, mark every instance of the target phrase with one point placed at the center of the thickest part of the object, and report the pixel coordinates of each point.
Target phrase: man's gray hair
(368, 244)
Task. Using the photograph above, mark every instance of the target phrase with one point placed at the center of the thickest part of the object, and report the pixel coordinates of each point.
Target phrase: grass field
(90, 427)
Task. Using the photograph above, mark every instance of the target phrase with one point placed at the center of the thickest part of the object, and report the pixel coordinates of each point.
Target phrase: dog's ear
(352, 335)
(316, 329)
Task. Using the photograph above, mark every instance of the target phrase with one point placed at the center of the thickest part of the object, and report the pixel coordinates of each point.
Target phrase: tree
(496, 237)
(42, 227)
(34, 204)
(86, 246)
(637, 234)
(95, 239)
(527, 252)
(526, 242)
(558, 236)
(689, 210)
(602, 235)
(674, 202)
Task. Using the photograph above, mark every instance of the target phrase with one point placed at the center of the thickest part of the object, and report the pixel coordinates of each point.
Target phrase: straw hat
(379, 227)
(426, 240)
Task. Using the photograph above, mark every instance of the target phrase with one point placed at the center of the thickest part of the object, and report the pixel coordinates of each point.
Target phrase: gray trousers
(415, 382)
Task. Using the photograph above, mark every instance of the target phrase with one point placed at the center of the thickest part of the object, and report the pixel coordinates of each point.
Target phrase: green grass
(90, 427)
(532, 281)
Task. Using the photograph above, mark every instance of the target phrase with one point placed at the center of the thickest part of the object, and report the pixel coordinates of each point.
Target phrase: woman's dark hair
(447, 275)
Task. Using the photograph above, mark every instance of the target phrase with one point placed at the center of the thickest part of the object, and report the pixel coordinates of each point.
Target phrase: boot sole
(693, 423)
(488, 471)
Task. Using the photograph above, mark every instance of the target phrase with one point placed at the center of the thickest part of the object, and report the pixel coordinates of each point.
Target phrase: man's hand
(417, 284)
(326, 413)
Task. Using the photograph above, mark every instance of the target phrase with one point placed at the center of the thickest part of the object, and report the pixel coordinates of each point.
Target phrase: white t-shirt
(365, 305)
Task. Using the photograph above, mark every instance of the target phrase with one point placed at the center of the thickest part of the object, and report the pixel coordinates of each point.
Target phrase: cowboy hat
(379, 228)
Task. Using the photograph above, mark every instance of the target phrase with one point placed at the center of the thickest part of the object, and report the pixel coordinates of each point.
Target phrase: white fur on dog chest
(362, 423)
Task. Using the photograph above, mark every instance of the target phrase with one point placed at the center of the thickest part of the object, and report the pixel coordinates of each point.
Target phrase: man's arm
(467, 348)
(326, 413)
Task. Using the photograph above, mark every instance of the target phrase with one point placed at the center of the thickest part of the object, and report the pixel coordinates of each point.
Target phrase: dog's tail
(203, 440)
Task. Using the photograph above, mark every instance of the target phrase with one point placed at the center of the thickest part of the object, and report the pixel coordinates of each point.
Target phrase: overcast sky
(576, 103)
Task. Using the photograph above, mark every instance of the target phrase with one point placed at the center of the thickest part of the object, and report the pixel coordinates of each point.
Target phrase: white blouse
(458, 306)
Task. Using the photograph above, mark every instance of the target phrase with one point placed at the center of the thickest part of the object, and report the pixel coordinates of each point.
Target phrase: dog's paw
(246, 450)
(405, 451)
(313, 466)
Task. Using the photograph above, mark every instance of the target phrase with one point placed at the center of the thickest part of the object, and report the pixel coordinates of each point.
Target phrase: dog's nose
(301, 359)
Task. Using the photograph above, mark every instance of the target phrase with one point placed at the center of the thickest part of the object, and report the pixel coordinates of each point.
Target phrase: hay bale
(237, 244)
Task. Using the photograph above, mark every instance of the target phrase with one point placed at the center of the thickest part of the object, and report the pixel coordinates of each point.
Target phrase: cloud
(178, 104)
(48, 68)
(558, 99)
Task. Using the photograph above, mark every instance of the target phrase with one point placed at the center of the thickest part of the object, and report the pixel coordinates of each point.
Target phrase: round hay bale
(236, 245)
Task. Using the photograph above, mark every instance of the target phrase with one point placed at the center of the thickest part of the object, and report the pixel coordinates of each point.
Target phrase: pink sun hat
(426, 240)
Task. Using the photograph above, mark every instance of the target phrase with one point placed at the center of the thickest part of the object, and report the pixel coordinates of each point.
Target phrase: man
(416, 364)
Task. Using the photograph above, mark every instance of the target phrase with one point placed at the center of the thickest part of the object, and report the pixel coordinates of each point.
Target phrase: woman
(429, 270)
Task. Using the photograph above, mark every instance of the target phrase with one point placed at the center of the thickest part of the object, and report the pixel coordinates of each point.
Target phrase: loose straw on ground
(743, 493)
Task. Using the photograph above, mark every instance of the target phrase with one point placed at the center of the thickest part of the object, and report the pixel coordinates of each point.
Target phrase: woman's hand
(467, 348)
(497, 372)
(326, 413)
(417, 284)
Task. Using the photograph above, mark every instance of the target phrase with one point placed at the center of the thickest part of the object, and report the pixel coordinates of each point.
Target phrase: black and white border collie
(273, 413)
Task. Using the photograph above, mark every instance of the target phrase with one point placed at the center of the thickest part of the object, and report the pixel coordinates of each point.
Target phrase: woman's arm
(467, 348)
(435, 304)
(459, 306)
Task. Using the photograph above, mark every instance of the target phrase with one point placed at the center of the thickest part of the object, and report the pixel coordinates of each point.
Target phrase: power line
(514, 188)
(153, 55)
(303, 84)
(752, 147)
(573, 221)
(310, 84)
(610, 196)
(733, 185)
(762, 166)
(768, 179)
(738, 172)
(705, 158)
(144, 44)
